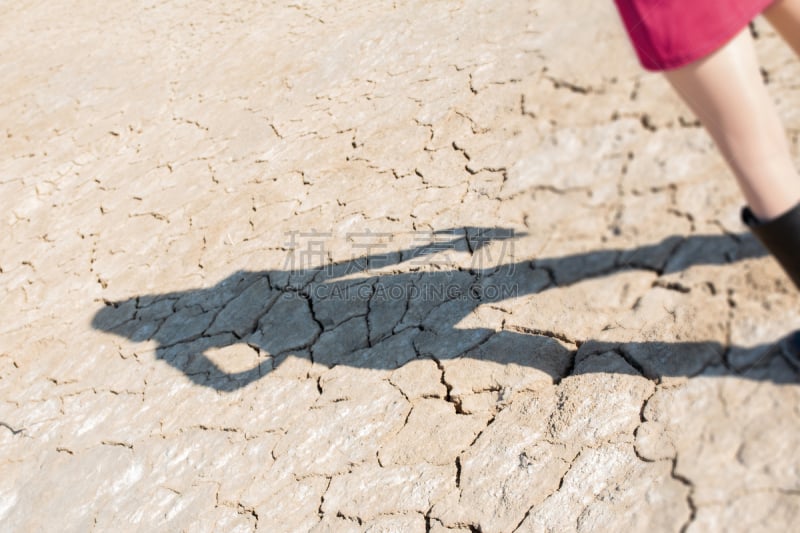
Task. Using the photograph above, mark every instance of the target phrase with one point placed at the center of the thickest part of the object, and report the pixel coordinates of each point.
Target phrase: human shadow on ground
(344, 313)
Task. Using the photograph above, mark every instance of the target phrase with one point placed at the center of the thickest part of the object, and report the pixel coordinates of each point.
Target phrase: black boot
(781, 237)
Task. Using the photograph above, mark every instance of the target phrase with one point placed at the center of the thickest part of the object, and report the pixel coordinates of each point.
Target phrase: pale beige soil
(168, 363)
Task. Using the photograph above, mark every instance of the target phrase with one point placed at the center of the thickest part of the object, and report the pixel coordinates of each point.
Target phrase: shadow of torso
(347, 314)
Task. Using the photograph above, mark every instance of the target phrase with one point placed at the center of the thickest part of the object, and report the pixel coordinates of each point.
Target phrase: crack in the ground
(13, 430)
(570, 464)
(563, 337)
(689, 497)
(448, 388)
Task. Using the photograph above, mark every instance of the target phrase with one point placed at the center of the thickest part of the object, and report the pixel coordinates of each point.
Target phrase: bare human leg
(726, 92)
(784, 16)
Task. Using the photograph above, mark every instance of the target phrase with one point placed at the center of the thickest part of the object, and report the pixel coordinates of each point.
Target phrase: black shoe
(781, 237)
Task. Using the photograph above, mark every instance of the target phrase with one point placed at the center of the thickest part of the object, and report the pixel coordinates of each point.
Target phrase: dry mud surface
(378, 266)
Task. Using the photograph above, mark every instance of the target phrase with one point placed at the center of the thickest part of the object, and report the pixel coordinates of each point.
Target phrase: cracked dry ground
(165, 365)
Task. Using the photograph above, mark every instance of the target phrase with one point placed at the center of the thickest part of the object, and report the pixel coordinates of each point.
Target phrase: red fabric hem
(656, 57)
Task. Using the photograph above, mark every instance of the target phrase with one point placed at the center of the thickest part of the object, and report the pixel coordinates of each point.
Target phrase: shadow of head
(384, 320)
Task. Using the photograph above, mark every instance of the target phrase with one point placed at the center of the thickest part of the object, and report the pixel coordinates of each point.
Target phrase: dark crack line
(11, 429)
(689, 497)
(546, 333)
(570, 464)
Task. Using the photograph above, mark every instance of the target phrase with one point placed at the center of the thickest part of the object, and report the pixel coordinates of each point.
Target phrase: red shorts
(671, 33)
